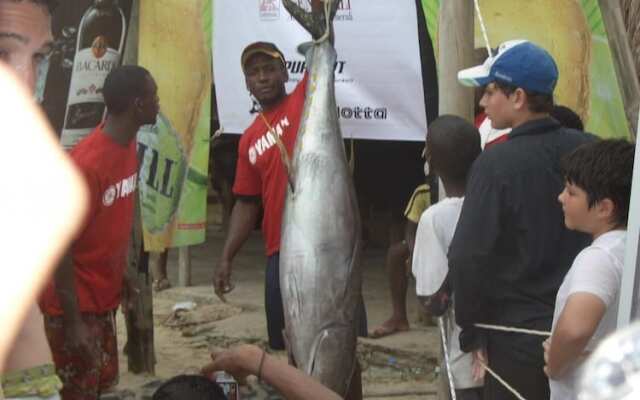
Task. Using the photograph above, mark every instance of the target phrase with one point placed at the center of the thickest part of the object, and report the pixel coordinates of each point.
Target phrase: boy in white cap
(511, 250)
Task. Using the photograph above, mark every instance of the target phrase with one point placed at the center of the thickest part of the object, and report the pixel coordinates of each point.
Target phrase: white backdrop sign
(378, 74)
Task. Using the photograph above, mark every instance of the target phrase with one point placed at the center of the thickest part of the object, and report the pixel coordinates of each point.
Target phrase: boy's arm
(577, 323)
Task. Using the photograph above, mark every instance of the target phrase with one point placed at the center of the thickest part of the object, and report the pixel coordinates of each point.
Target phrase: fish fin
(303, 48)
(322, 363)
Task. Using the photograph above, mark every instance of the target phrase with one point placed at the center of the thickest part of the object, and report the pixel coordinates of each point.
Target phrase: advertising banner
(175, 151)
(573, 32)
(378, 74)
(89, 38)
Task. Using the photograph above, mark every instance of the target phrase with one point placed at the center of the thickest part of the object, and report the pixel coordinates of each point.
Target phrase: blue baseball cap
(519, 63)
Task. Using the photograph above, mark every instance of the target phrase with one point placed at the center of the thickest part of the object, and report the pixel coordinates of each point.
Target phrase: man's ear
(519, 99)
(606, 209)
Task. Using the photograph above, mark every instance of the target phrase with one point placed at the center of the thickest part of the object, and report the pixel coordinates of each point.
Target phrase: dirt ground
(400, 366)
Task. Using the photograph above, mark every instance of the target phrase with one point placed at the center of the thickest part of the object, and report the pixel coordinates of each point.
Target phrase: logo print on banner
(344, 9)
(269, 10)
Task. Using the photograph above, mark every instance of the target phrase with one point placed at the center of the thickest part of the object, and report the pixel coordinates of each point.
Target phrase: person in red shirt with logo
(80, 303)
(261, 177)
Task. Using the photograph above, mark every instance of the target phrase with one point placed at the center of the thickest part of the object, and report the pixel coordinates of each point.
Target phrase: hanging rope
(327, 16)
(483, 27)
(284, 155)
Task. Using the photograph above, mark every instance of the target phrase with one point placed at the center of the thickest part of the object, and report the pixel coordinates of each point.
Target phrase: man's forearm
(292, 383)
(243, 219)
(66, 289)
(565, 350)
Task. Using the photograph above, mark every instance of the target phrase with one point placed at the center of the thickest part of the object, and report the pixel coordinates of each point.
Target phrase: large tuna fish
(320, 274)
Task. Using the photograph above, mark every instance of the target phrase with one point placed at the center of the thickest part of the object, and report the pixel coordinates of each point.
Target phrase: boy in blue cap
(511, 250)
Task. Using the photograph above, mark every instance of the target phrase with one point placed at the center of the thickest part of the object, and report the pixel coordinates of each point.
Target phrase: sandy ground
(400, 366)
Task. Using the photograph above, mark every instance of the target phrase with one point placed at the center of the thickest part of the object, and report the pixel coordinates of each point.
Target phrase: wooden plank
(622, 60)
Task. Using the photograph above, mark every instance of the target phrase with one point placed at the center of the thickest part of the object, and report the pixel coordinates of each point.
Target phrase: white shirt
(430, 267)
(596, 270)
(488, 133)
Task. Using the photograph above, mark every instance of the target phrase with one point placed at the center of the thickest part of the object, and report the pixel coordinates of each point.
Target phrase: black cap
(267, 48)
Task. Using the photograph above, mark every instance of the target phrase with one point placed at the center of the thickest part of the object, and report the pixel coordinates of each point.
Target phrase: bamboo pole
(623, 60)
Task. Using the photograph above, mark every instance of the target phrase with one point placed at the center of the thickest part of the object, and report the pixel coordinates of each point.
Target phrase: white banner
(378, 75)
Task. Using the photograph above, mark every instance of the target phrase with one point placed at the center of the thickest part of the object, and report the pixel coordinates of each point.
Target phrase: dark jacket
(511, 249)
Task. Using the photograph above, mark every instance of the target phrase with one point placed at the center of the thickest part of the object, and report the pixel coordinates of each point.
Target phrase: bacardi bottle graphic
(99, 46)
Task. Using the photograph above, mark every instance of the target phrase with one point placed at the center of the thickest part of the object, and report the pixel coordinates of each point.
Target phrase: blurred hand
(240, 361)
(222, 279)
(478, 358)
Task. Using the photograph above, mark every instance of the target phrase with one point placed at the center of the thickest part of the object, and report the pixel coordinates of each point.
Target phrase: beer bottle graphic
(99, 46)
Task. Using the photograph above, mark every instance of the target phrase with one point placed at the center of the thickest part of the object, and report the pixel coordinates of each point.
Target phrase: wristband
(264, 355)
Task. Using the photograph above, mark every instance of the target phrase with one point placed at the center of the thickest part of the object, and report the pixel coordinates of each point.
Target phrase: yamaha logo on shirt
(267, 141)
(120, 190)
(109, 196)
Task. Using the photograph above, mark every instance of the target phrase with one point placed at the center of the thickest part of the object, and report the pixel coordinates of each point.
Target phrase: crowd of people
(521, 262)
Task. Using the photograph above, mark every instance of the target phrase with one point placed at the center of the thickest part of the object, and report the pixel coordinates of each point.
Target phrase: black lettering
(339, 68)
(153, 170)
(346, 113)
(358, 113)
(142, 149)
(367, 112)
(166, 178)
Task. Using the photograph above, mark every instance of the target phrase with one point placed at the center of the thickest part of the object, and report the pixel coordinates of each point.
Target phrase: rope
(512, 329)
(483, 28)
(327, 16)
(445, 353)
(502, 381)
(284, 156)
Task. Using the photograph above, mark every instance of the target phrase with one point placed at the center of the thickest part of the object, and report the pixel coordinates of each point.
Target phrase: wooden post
(139, 319)
(455, 42)
(622, 60)
(184, 266)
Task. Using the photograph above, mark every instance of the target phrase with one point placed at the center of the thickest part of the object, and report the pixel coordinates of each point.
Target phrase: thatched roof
(631, 15)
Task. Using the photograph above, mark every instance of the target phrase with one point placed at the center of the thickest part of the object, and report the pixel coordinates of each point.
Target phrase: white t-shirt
(430, 267)
(596, 270)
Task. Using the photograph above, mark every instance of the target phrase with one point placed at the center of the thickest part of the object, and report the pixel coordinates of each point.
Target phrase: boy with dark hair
(189, 387)
(510, 250)
(595, 200)
(452, 146)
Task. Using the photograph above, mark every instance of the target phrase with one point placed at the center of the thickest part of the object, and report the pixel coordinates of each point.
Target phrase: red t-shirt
(260, 171)
(99, 252)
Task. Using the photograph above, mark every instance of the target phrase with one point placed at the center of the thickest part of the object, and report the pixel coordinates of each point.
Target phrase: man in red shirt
(80, 304)
(261, 178)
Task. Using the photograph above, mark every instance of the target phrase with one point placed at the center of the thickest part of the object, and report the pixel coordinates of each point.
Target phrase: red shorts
(84, 378)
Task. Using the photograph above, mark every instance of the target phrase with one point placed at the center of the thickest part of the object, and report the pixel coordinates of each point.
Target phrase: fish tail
(315, 23)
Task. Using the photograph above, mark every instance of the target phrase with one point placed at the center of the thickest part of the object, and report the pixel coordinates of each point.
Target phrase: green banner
(175, 151)
(574, 33)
